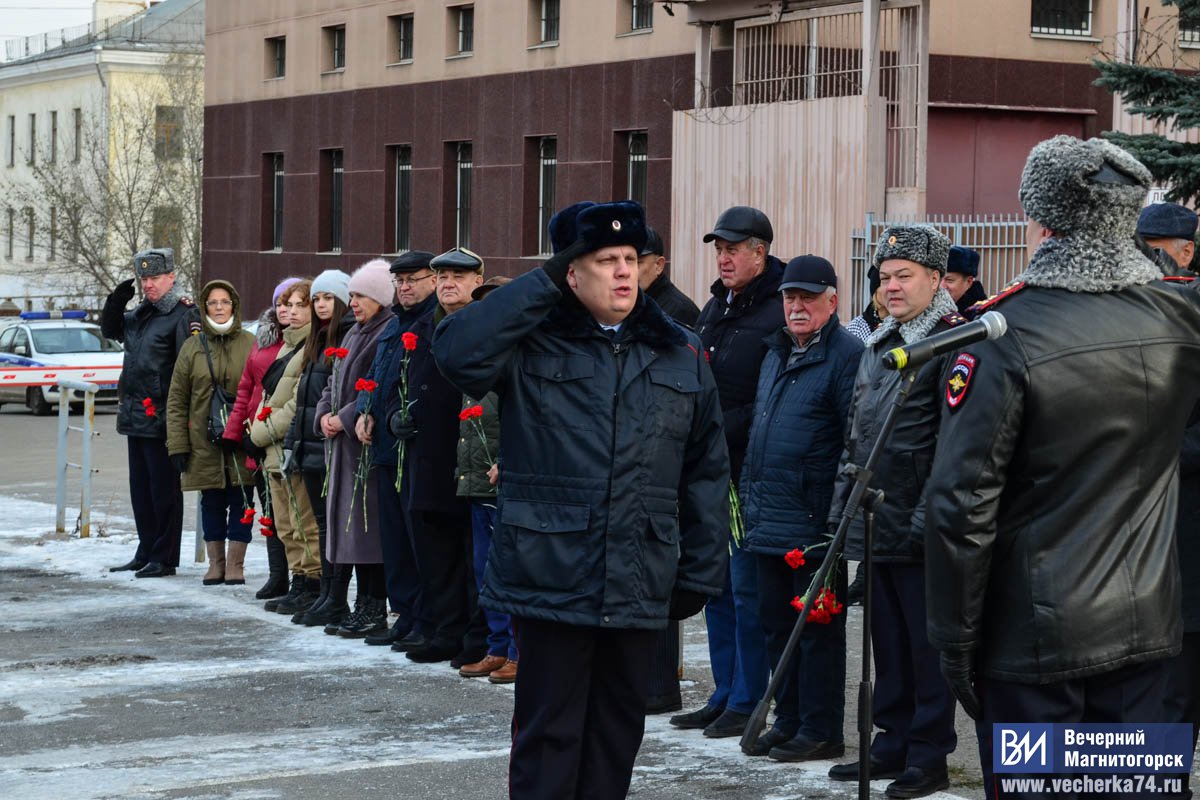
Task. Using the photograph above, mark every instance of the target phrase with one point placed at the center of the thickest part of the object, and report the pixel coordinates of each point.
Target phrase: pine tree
(1161, 94)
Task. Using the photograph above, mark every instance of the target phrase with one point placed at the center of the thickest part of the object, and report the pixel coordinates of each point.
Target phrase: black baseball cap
(654, 244)
(810, 273)
(740, 223)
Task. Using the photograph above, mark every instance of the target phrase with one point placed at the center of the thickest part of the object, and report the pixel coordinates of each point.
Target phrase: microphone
(991, 325)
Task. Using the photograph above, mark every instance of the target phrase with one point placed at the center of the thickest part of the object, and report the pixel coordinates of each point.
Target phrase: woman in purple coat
(351, 503)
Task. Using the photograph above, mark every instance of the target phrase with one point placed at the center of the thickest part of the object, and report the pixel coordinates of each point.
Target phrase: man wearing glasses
(414, 284)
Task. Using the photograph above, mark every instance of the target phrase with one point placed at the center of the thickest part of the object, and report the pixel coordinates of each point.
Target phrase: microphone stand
(858, 498)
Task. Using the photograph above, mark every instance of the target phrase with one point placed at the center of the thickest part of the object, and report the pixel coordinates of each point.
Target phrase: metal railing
(999, 239)
(88, 429)
(140, 28)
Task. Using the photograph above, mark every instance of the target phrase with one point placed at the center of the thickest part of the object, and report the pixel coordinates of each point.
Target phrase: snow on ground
(120, 740)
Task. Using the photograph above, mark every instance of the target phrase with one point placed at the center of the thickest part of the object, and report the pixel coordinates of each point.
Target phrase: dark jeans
(157, 500)
(221, 514)
(737, 649)
(1132, 694)
(810, 699)
(913, 706)
(579, 711)
(399, 560)
(500, 641)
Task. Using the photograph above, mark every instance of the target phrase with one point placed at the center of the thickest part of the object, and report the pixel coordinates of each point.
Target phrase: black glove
(180, 462)
(958, 667)
(401, 428)
(122, 294)
(686, 604)
(228, 445)
(253, 450)
(556, 267)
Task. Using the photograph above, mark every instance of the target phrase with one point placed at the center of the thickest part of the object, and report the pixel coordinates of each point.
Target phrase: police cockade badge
(960, 379)
(616, 223)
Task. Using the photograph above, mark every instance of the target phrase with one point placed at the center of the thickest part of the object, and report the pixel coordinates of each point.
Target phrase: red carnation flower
(798, 604)
(364, 385)
(471, 412)
(147, 402)
(248, 516)
(795, 558)
(409, 340)
(266, 412)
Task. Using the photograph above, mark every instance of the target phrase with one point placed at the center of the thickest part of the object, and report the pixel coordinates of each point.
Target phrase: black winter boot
(322, 596)
(334, 609)
(277, 580)
(351, 620)
(312, 588)
(290, 597)
(373, 618)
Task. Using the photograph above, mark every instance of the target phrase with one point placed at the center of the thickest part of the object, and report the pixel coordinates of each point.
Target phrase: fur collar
(168, 301)
(646, 323)
(1089, 264)
(268, 329)
(920, 326)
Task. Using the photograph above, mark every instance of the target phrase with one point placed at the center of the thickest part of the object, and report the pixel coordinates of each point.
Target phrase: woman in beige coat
(295, 524)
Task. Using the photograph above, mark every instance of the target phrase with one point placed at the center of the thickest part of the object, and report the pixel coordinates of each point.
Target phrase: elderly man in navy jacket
(804, 394)
(612, 513)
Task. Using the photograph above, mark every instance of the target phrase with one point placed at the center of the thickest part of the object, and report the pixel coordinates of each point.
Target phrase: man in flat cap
(414, 283)
(962, 278)
(1053, 579)
(1171, 229)
(796, 439)
(743, 310)
(153, 333)
(913, 708)
(612, 514)
(652, 280)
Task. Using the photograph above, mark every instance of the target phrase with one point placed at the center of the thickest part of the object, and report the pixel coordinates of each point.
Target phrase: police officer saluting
(612, 511)
(153, 333)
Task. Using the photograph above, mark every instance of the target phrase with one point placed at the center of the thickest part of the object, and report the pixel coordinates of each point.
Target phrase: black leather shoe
(432, 652)
(700, 718)
(877, 770)
(154, 569)
(917, 782)
(132, 566)
(801, 748)
(413, 639)
(730, 723)
(398, 631)
(664, 703)
(763, 744)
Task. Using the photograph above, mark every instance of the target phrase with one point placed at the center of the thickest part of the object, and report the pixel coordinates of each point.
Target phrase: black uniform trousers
(913, 706)
(579, 712)
(399, 559)
(157, 500)
(811, 697)
(442, 543)
(1131, 694)
(1183, 690)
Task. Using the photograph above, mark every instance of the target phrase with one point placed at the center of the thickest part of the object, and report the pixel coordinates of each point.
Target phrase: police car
(55, 339)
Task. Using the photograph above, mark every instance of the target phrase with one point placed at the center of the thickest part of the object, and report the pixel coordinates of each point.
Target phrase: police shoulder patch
(960, 379)
(979, 308)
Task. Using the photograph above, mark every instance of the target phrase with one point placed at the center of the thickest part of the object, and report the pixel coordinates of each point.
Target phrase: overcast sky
(28, 17)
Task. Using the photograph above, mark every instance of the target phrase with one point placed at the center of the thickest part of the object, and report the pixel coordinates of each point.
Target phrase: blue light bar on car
(53, 315)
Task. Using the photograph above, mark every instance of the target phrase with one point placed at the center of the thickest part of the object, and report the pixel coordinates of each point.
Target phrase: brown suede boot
(235, 565)
(216, 563)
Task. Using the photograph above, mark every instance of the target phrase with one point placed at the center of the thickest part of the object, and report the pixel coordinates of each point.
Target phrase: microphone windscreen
(995, 323)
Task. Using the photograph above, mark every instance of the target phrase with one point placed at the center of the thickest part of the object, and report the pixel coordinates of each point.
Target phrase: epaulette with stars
(187, 301)
(977, 309)
(954, 319)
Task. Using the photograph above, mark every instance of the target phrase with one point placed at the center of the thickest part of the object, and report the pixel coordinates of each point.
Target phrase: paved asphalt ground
(114, 687)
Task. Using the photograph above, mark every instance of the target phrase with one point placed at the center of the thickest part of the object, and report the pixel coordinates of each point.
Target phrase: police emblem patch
(960, 379)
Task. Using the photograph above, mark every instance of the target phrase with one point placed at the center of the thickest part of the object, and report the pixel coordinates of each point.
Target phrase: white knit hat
(374, 280)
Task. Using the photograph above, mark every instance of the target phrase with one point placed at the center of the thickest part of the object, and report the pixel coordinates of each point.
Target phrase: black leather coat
(1052, 505)
(614, 476)
(674, 303)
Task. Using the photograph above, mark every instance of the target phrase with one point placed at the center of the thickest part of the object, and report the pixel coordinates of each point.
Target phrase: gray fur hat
(1070, 185)
(155, 261)
(1089, 193)
(924, 244)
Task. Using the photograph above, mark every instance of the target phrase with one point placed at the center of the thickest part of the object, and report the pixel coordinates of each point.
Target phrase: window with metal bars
(277, 201)
(1189, 27)
(637, 169)
(403, 31)
(547, 169)
(335, 43)
(548, 31)
(277, 56)
(335, 201)
(641, 15)
(1062, 17)
(462, 194)
(403, 222)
